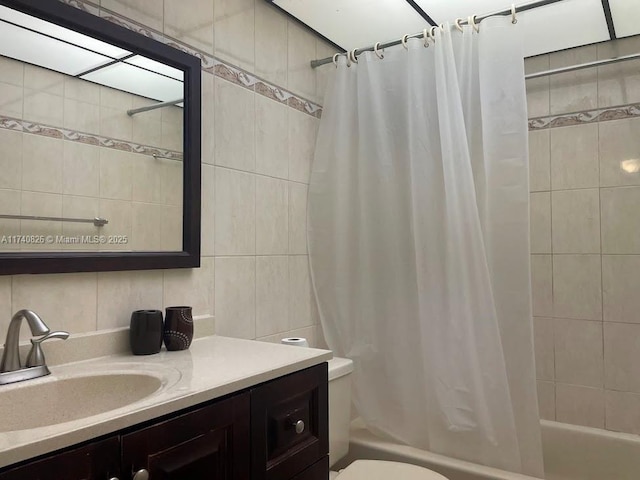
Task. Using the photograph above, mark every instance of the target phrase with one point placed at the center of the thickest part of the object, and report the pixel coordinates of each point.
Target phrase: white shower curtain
(419, 243)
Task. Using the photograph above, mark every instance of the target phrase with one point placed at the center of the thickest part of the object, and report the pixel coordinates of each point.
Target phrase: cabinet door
(289, 422)
(211, 443)
(95, 461)
(318, 471)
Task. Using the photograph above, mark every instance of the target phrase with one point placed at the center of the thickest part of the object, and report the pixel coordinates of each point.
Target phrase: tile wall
(585, 236)
(259, 128)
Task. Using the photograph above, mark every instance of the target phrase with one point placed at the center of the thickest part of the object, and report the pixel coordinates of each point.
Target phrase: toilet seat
(382, 470)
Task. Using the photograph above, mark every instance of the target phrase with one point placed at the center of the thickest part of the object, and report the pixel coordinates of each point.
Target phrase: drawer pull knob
(141, 475)
(299, 426)
(114, 478)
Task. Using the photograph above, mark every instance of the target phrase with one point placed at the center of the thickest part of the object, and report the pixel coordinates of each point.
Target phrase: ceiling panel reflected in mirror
(93, 134)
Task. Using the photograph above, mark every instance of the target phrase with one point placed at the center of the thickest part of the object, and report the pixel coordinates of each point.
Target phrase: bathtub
(570, 453)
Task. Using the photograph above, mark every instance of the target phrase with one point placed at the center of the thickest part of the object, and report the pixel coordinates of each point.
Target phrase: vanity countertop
(213, 367)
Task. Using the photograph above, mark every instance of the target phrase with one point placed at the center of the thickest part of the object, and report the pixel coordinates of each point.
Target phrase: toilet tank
(339, 407)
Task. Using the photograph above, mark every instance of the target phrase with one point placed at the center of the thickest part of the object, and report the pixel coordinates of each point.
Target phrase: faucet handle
(35, 358)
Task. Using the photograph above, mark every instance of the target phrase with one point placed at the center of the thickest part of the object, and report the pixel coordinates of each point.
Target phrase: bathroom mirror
(99, 142)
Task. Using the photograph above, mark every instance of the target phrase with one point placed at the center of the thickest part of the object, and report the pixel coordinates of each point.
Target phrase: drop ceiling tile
(356, 23)
(626, 17)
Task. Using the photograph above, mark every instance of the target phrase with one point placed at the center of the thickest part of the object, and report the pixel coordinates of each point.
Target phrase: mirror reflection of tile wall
(46, 175)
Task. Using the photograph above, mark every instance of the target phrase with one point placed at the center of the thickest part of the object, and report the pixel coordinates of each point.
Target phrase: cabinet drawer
(280, 450)
(95, 461)
(211, 443)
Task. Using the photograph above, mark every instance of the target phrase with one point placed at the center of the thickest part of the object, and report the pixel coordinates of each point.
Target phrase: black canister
(145, 332)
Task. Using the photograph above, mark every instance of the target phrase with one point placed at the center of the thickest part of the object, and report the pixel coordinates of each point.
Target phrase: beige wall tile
(537, 97)
(42, 164)
(81, 169)
(619, 152)
(547, 400)
(300, 292)
(323, 50)
(301, 49)
(620, 281)
(79, 207)
(234, 142)
(577, 291)
(573, 91)
(146, 179)
(272, 138)
(576, 221)
(236, 296)
(146, 226)
(620, 220)
(619, 84)
(77, 89)
(272, 295)
(171, 228)
(622, 356)
(303, 129)
(297, 218)
(11, 201)
(172, 179)
(191, 23)
(536, 64)
(544, 348)
(146, 12)
(271, 44)
(5, 297)
(119, 215)
(539, 161)
(272, 216)
(194, 287)
(147, 129)
(115, 123)
(580, 405)
(116, 174)
(541, 285)
(11, 100)
(43, 80)
(64, 301)
(43, 107)
(574, 157)
(540, 214)
(235, 216)
(11, 159)
(208, 211)
(622, 411)
(11, 71)
(208, 121)
(578, 352)
(41, 204)
(235, 32)
(82, 116)
(120, 293)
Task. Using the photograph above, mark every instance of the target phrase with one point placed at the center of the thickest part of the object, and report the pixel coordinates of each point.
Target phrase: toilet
(340, 370)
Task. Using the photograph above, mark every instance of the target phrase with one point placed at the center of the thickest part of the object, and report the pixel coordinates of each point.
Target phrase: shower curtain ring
(514, 20)
(442, 27)
(376, 50)
(425, 35)
(459, 24)
(432, 33)
(404, 41)
(335, 59)
(352, 54)
(472, 22)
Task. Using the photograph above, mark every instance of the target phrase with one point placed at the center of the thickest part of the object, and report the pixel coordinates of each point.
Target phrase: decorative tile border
(587, 116)
(8, 123)
(209, 63)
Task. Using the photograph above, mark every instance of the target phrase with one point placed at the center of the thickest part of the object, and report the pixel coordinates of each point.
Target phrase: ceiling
(558, 26)
(41, 43)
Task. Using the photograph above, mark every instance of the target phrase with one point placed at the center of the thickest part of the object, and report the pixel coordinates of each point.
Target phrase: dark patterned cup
(145, 332)
(178, 328)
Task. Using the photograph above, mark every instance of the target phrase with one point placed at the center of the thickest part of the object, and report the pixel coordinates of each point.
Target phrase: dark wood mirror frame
(63, 262)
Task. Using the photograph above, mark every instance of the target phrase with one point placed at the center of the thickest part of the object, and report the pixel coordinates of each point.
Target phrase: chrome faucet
(11, 369)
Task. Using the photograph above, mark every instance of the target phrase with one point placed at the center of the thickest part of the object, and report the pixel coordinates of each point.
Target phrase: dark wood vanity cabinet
(94, 461)
(275, 431)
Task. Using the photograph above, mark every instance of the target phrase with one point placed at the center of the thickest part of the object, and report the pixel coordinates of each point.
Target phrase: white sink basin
(59, 399)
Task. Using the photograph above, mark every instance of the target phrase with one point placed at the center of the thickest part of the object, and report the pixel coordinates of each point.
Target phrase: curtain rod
(478, 19)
